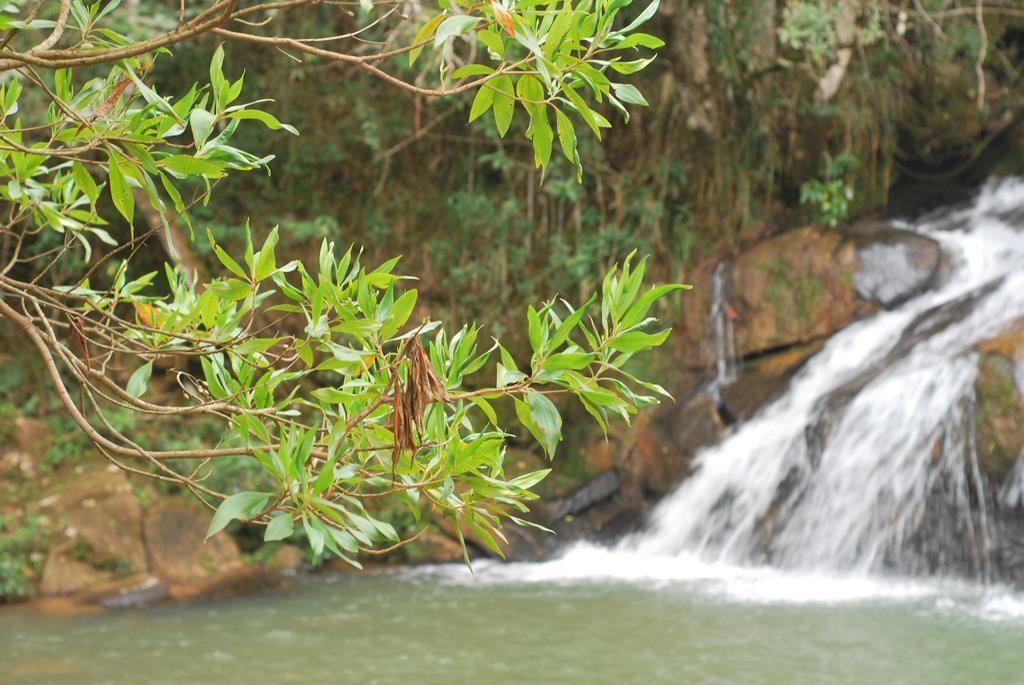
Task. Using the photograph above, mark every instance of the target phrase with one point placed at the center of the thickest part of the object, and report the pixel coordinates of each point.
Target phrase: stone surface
(111, 529)
(136, 591)
(894, 265)
(762, 380)
(63, 574)
(692, 341)
(288, 560)
(664, 445)
(1000, 417)
(98, 525)
(595, 491)
(173, 530)
(792, 289)
(434, 548)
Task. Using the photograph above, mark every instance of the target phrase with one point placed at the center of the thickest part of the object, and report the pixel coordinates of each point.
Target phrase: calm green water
(538, 624)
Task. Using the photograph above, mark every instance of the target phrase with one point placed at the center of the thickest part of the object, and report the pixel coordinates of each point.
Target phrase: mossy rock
(1000, 418)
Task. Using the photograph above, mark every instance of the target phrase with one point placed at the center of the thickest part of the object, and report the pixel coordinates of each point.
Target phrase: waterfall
(867, 463)
(720, 318)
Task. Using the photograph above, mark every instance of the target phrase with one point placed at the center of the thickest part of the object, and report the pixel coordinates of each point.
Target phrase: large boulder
(174, 531)
(63, 574)
(792, 289)
(99, 524)
(894, 265)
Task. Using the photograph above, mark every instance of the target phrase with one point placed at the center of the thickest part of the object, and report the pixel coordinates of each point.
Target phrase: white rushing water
(852, 502)
(825, 494)
(720, 320)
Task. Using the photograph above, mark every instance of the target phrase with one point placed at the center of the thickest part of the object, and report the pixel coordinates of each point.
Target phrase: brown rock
(110, 527)
(434, 548)
(693, 340)
(237, 582)
(135, 591)
(792, 289)
(63, 574)
(86, 484)
(100, 526)
(288, 560)
(664, 447)
(173, 530)
(1009, 344)
(763, 379)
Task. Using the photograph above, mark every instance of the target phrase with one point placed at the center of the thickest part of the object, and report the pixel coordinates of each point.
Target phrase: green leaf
(543, 139)
(588, 114)
(504, 103)
(472, 70)
(567, 140)
(139, 380)
(85, 182)
(569, 324)
(569, 360)
(201, 122)
(280, 527)
(531, 92)
(508, 377)
(644, 16)
(187, 165)
(630, 67)
(230, 289)
(547, 419)
(316, 535)
(559, 27)
(643, 40)
(493, 41)
(399, 313)
(266, 118)
(120, 192)
(629, 93)
(528, 480)
(226, 259)
(266, 261)
(217, 80)
(635, 341)
(454, 26)
(481, 103)
(638, 310)
(486, 408)
(241, 506)
(424, 33)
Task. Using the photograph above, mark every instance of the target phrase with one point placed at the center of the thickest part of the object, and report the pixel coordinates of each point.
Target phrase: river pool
(597, 618)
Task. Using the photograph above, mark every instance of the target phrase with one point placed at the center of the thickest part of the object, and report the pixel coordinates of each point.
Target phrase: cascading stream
(841, 473)
(721, 324)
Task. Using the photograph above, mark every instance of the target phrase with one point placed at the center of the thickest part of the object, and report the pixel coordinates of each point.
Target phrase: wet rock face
(663, 450)
(763, 380)
(1000, 418)
(792, 289)
(895, 265)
